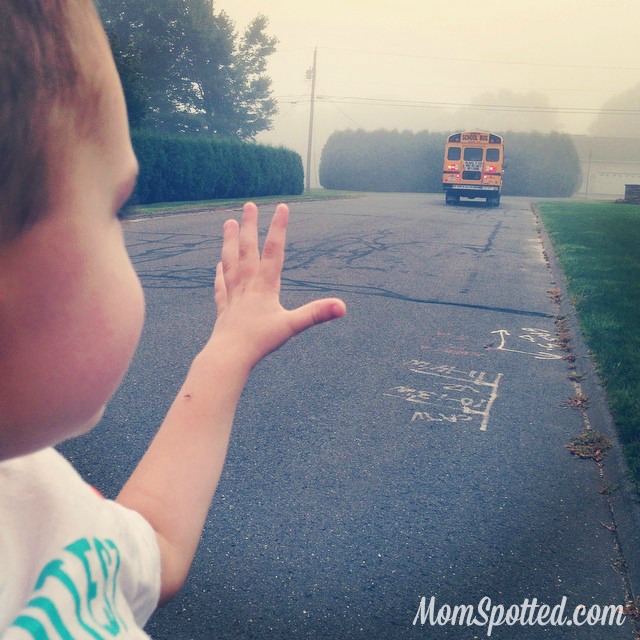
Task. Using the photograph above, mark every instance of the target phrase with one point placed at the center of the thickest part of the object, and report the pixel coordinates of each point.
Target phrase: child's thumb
(317, 312)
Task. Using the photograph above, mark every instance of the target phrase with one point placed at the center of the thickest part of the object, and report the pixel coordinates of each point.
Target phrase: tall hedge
(541, 165)
(382, 160)
(181, 168)
(536, 164)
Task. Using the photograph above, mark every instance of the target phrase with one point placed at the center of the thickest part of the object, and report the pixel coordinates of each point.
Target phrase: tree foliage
(618, 119)
(185, 69)
(536, 164)
(187, 168)
(507, 110)
(129, 69)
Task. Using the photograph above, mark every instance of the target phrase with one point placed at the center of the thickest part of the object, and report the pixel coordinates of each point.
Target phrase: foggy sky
(378, 58)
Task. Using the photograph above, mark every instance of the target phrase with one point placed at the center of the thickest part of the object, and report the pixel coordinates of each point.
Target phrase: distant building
(608, 164)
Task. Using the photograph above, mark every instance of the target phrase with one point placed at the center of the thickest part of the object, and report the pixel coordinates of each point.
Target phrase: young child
(72, 564)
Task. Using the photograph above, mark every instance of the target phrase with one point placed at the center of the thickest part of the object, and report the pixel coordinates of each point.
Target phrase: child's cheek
(115, 331)
(96, 317)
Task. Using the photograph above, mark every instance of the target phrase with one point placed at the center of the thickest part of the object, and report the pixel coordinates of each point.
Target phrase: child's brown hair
(46, 92)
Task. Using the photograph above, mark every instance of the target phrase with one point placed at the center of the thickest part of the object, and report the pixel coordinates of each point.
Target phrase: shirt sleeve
(139, 576)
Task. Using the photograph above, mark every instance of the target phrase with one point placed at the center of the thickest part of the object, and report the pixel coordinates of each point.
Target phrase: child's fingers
(220, 288)
(248, 254)
(229, 255)
(273, 250)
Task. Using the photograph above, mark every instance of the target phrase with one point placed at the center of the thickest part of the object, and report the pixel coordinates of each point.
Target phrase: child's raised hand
(251, 321)
(193, 439)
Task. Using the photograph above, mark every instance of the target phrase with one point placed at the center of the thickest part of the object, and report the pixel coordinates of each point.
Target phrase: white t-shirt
(72, 564)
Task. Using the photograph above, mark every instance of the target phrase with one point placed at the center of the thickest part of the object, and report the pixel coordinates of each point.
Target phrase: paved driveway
(415, 449)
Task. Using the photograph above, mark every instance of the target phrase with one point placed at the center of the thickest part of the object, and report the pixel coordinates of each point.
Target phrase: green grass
(598, 246)
(165, 208)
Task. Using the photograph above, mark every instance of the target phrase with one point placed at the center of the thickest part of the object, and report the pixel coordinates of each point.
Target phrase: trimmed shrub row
(382, 161)
(541, 165)
(537, 164)
(181, 168)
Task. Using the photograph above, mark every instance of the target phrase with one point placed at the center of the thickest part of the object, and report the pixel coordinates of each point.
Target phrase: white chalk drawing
(541, 340)
(451, 395)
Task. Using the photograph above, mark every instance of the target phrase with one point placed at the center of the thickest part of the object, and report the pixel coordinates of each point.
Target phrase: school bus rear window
(473, 153)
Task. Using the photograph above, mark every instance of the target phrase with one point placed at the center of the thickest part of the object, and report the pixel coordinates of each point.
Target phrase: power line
(481, 61)
(486, 107)
(382, 102)
(344, 113)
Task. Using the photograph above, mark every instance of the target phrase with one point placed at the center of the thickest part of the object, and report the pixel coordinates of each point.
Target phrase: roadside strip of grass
(168, 208)
(598, 247)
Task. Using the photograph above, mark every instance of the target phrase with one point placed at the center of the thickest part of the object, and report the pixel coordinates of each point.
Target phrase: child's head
(41, 78)
(71, 305)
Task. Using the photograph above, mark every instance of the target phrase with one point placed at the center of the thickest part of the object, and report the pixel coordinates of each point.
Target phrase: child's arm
(174, 483)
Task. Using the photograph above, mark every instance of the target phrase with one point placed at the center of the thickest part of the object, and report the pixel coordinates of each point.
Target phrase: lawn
(598, 246)
(175, 207)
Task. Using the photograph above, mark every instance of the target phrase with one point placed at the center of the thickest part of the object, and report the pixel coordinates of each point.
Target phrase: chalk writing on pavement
(538, 343)
(447, 395)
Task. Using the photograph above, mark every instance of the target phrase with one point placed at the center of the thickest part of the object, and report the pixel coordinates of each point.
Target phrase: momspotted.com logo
(529, 613)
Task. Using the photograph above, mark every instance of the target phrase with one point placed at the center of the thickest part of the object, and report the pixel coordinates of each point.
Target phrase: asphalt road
(415, 448)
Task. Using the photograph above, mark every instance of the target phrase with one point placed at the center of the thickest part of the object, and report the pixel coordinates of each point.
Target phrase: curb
(622, 499)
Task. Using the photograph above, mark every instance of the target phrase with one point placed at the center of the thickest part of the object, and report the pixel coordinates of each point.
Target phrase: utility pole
(313, 99)
(588, 176)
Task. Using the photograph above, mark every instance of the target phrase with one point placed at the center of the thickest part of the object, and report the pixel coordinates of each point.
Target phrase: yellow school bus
(473, 167)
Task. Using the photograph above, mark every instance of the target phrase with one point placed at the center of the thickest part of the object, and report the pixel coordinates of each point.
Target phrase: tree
(153, 34)
(135, 93)
(620, 117)
(508, 110)
(255, 102)
(231, 90)
(197, 75)
(205, 59)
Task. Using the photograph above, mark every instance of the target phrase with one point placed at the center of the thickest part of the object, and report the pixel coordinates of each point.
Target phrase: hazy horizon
(406, 65)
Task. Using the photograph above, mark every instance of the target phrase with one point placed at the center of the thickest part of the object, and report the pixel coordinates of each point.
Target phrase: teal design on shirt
(77, 595)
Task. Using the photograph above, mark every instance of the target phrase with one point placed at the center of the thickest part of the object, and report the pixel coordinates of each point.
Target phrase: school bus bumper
(471, 187)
